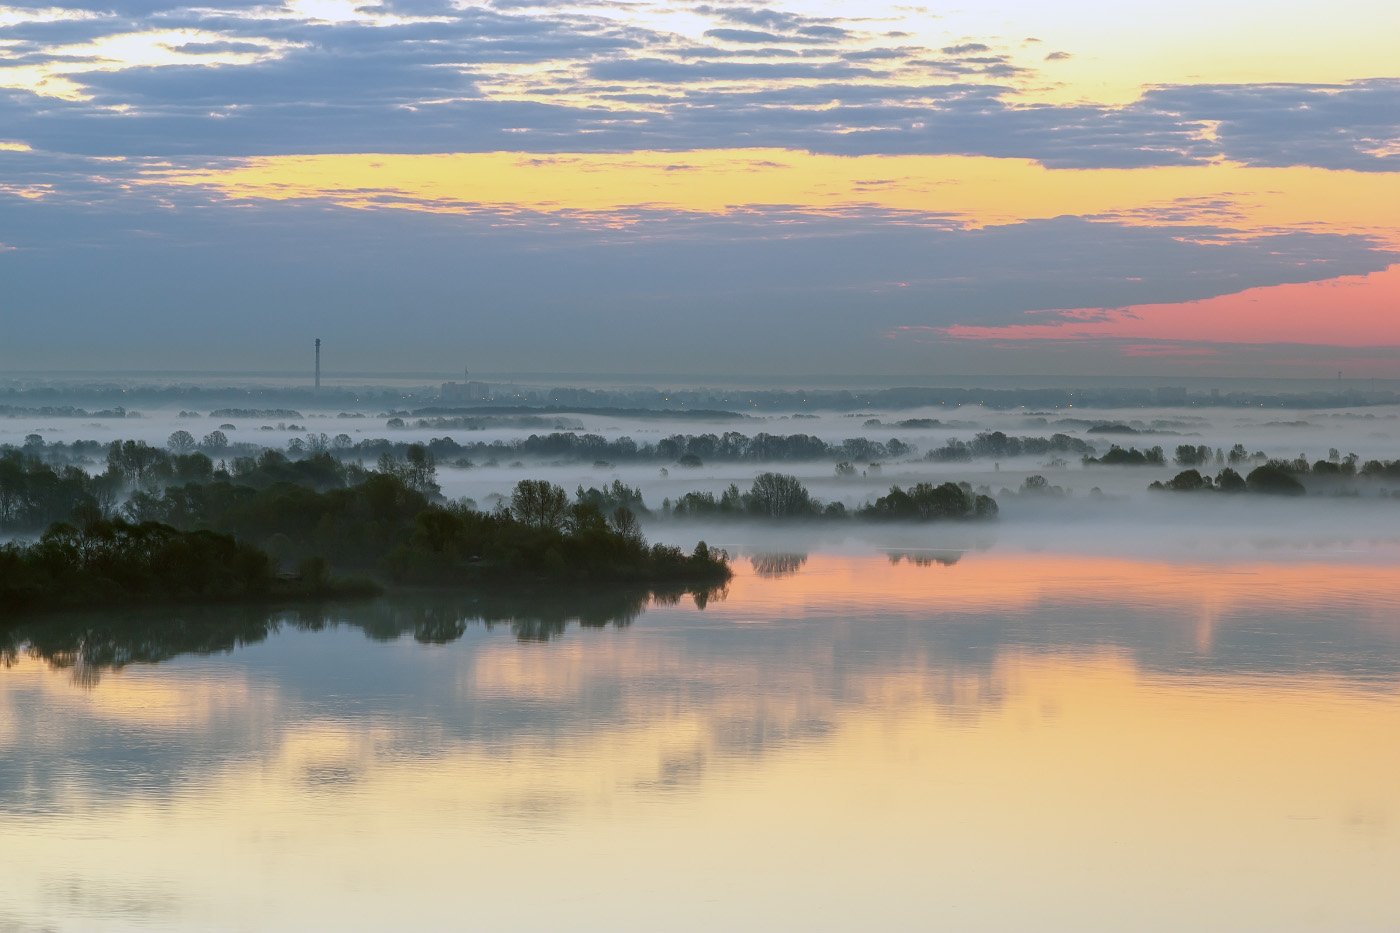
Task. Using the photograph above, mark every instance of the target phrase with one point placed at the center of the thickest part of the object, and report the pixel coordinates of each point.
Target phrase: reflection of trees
(90, 643)
(777, 565)
(926, 558)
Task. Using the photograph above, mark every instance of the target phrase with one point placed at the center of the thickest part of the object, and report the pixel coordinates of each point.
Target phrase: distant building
(471, 391)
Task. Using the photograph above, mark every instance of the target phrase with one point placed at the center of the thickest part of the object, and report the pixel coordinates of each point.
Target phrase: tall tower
(318, 362)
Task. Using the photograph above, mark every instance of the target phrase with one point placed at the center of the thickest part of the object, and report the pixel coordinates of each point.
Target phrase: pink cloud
(1349, 311)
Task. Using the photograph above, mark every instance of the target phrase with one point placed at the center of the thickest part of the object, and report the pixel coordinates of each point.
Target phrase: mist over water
(1097, 509)
(1109, 708)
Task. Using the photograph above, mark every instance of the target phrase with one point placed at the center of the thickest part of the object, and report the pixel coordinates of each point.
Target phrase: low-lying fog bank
(1050, 499)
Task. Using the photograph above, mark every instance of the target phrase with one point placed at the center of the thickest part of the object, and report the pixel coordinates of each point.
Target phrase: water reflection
(976, 745)
(777, 565)
(928, 557)
(89, 643)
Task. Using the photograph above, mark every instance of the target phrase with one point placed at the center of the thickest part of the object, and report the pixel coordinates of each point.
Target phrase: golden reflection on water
(1007, 581)
(762, 778)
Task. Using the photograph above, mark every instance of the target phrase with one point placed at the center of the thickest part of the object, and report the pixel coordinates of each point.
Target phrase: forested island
(172, 526)
(207, 520)
(272, 528)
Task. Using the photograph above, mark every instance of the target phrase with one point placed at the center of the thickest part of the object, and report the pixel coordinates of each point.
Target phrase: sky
(612, 186)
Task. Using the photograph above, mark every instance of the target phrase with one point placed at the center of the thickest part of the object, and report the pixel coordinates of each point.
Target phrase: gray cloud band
(429, 77)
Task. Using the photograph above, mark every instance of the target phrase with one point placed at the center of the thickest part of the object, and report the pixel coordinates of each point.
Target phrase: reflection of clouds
(1006, 706)
(672, 711)
(566, 671)
(681, 696)
(1080, 756)
(149, 699)
(962, 694)
(72, 893)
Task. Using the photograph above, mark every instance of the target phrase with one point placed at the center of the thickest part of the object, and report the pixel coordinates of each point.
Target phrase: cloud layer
(152, 78)
(799, 187)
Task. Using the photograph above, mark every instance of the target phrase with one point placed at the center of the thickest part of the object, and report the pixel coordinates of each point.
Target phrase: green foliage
(181, 442)
(1118, 456)
(116, 562)
(380, 525)
(539, 504)
(1227, 480)
(1193, 456)
(610, 498)
(545, 539)
(34, 495)
(1273, 480)
(998, 445)
(688, 449)
(319, 471)
(925, 502)
(417, 470)
(1188, 481)
(778, 496)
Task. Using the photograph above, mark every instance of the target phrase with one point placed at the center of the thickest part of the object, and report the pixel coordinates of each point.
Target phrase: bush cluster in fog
(778, 497)
(686, 449)
(1336, 474)
(998, 445)
(1131, 456)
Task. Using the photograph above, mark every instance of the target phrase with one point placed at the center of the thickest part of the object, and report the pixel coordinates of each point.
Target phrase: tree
(1273, 480)
(926, 502)
(421, 473)
(134, 460)
(1188, 481)
(539, 503)
(181, 442)
(215, 441)
(778, 495)
(1189, 456)
(1227, 480)
(624, 521)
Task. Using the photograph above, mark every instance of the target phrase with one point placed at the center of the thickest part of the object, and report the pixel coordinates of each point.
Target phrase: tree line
(778, 497)
(998, 445)
(1286, 477)
(220, 540)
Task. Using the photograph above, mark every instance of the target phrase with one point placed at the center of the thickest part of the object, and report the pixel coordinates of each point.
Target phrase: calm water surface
(1006, 741)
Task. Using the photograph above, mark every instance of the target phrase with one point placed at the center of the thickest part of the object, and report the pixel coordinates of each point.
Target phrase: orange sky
(974, 191)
